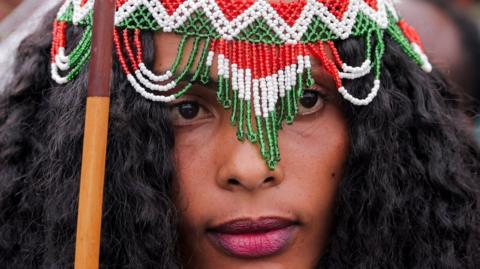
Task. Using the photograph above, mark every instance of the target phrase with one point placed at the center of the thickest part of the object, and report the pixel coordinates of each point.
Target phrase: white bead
(256, 98)
(63, 66)
(147, 95)
(234, 77)
(248, 84)
(220, 63)
(361, 102)
(264, 97)
(226, 68)
(153, 77)
(241, 83)
(55, 76)
(261, 9)
(281, 82)
(270, 93)
(154, 87)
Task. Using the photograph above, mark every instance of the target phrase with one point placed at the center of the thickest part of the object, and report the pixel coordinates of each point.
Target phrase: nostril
(233, 181)
(269, 179)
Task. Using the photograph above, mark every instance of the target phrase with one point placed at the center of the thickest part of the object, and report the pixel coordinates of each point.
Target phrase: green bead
(281, 113)
(240, 131)
(203, 58)
(179, 57)
(290, 107)
(221, 81)
(251, 135)
(233, 117)
(268, 128)
(272, 164)
(261, 138)
(227, 103)
(309, 81)
(206, 76)
(184, 90)
(190, 61)
(276, 151)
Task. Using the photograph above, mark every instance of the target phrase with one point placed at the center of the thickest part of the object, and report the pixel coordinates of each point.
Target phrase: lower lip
(254, 245)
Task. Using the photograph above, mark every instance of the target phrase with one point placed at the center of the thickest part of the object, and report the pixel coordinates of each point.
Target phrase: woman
(391, 184)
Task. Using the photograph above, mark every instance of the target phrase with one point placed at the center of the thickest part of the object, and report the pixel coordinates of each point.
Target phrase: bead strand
(251, 135)
(211, 54)
(143, 68)
(128, 48)
(203, 59)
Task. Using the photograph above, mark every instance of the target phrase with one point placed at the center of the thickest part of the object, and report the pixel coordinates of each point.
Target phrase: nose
(243, 169)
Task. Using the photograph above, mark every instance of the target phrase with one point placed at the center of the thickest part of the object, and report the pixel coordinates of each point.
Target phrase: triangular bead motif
(233, 8)
(290, 12)
(171, 5)
(288, 20)
(262, 50)
(336, 8)
(120, 3)
(372, 3)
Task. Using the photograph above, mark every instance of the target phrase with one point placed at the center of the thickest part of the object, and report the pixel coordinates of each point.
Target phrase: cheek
(195, 154)
(313, 155)
(191, 166)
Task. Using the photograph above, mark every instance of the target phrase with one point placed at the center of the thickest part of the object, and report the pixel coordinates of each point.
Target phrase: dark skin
(220, 178)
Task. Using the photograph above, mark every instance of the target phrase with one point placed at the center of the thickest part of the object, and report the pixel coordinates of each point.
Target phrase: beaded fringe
(260, 81)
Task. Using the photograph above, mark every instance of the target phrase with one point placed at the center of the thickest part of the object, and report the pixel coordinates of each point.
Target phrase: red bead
(138, 46)
(245, 55)
(118, 49)
(268, 65)
(236, 56)
(128, 48)
(410, 33)
(274, 55)
(213, 46)
(53, 51)
(336, 55)
(281, 57)
(319, 52)
(248, 55)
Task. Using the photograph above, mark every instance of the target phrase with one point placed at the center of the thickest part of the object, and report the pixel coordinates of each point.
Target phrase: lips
(248, 238)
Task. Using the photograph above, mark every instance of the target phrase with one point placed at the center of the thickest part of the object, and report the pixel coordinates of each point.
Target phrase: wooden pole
(89, 222)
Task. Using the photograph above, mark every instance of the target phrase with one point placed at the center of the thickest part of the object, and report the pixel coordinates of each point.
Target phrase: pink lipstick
(247, 238)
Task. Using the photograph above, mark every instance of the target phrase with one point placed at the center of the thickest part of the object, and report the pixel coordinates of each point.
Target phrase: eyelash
(320, 102)
(181, 121)
(318, 90)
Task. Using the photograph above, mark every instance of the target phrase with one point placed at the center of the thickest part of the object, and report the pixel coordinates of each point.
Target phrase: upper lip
(249, 225)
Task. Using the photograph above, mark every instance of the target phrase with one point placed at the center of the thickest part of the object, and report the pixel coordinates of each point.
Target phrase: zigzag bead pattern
(340, 23)
(263, 52)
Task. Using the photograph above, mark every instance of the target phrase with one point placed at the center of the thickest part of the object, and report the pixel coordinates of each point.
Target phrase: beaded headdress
(262, 48)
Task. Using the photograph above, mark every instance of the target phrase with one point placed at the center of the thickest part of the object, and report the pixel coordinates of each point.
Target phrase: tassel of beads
(332, 67)
(146, 82)
(409, 41)
(260, 82)
(71, 64)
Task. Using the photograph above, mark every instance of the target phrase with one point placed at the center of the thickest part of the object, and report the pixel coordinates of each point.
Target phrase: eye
(311, 102)
(188, 113)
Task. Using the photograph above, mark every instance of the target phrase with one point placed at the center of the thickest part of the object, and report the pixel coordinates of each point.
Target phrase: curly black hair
(409, 198)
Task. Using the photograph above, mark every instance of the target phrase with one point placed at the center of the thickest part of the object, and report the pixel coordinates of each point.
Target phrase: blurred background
(450, 30)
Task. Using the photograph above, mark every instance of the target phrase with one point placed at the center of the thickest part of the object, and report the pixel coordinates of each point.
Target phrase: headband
(262, 49)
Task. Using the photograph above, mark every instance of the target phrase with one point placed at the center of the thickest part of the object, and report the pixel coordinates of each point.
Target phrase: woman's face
(235, 212)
